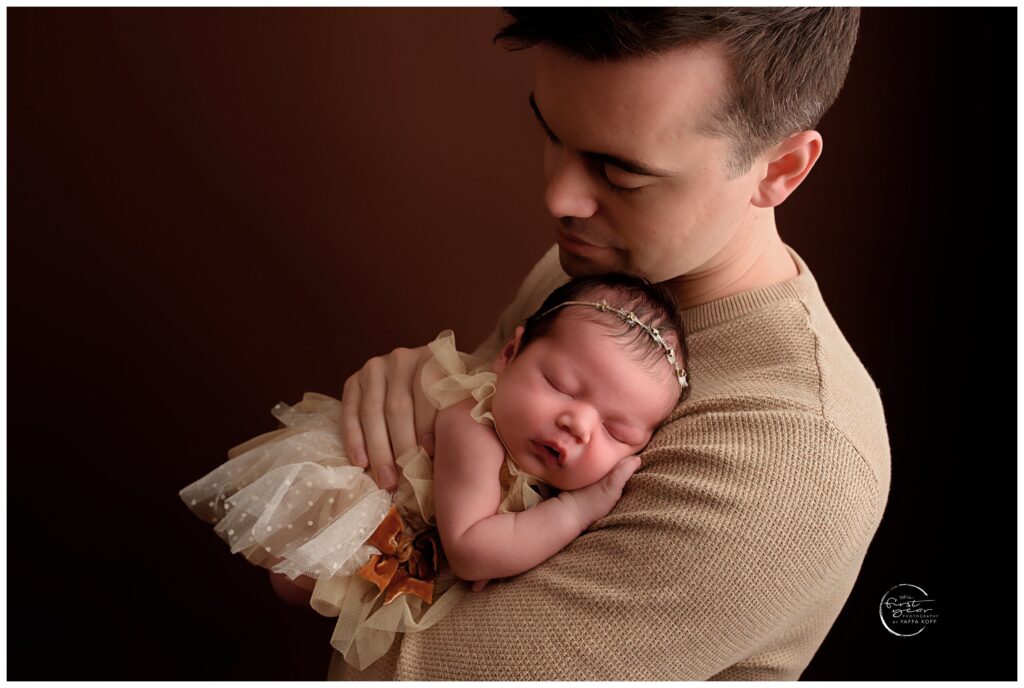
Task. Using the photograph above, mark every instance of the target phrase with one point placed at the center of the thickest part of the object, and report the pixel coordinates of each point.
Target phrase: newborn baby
(562, 411)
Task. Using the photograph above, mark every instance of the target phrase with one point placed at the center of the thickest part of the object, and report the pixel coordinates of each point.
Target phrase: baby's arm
(480, 543)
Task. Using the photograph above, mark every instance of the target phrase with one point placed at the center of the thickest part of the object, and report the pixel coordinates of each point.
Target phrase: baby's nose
(576, 425)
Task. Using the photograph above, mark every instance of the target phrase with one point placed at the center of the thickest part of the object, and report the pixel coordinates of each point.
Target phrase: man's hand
(595, 500)
(384, 413)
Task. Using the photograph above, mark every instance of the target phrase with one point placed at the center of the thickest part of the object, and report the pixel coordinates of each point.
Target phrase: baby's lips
(562, 452)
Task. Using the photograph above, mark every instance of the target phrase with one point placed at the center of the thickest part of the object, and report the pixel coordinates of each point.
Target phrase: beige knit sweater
(734, 546)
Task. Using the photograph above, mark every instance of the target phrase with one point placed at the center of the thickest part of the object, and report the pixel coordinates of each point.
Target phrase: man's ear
(509, 351)
(788, 165)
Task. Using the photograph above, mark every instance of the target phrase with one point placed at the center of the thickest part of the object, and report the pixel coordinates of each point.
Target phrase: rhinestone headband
(633, 321)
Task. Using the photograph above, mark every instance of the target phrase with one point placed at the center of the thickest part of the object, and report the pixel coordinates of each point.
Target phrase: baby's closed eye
(622, 434)
(558, 387)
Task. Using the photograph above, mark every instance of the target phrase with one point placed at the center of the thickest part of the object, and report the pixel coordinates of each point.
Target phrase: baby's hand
(595, 500)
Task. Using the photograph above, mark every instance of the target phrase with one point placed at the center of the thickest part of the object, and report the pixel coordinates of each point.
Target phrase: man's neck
(754, 259)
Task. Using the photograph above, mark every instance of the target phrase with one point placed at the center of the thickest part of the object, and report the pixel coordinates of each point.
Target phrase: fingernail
(386, 476)
(359, 457)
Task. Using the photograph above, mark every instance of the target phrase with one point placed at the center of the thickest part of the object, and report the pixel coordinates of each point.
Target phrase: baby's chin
(562, 485)
(567, 483)
(560, 479)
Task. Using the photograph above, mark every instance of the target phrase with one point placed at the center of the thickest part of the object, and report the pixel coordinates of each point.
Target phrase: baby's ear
(509, 351)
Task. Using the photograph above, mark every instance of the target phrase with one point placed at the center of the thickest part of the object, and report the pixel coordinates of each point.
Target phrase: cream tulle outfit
(290, 501)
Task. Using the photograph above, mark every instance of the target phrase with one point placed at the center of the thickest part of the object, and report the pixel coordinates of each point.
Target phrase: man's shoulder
(787, 361)
(753, 428)
(761, 463)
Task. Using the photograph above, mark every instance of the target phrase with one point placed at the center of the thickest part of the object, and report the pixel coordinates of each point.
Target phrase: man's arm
(718, 549)
(293, 592)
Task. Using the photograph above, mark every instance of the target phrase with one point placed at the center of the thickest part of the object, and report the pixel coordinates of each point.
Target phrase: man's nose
(569, 190)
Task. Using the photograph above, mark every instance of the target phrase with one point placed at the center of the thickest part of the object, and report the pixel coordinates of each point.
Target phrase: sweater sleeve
(736, 527)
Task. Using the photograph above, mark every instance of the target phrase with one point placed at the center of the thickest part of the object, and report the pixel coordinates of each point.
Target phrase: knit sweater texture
(734, 546)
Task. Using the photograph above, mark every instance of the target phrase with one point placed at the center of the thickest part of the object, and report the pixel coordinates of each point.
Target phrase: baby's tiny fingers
(627, 467)
(622, 472)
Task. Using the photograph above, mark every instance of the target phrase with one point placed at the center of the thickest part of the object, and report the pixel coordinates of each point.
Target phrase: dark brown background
(213, 210)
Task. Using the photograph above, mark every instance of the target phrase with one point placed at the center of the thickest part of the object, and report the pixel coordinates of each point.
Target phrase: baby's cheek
(498, 406)
(598, 465)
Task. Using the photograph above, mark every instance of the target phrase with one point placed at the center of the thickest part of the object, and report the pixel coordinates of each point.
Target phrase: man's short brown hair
(787, 64)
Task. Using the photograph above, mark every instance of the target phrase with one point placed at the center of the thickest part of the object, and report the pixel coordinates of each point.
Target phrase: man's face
(633, 184)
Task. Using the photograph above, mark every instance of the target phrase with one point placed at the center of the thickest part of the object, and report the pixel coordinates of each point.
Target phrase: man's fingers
(373, 386)
(384, 413)
(399, 404)
(351, 429)
(424, 413)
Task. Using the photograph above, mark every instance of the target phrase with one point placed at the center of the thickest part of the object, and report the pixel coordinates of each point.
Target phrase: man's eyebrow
(628, 164)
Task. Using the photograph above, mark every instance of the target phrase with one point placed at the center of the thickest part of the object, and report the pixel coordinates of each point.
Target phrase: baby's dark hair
(653, 304)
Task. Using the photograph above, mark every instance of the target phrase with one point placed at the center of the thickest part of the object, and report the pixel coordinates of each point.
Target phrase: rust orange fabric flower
(408, 563)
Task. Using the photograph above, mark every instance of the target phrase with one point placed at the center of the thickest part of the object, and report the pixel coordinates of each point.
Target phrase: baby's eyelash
(613, 435)
(556, 387)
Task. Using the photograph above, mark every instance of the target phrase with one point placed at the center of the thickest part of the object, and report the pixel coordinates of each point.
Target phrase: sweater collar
(722, 310)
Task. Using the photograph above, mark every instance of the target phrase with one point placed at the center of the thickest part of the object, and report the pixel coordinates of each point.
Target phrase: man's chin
(578, 266)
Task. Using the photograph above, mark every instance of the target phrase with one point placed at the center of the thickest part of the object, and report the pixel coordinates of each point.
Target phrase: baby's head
(580, 387)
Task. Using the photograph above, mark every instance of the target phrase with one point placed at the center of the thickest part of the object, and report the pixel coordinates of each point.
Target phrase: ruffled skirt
(290, 501)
